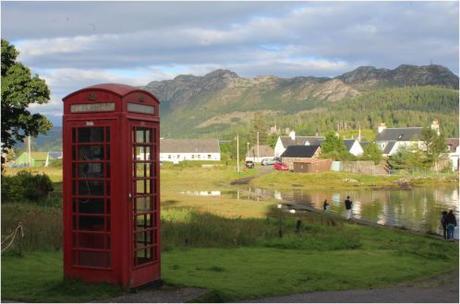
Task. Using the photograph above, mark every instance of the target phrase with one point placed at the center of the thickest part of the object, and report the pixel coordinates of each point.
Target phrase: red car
(280, 166)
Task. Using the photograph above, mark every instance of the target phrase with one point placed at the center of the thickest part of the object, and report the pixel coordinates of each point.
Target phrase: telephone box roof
(119, 89)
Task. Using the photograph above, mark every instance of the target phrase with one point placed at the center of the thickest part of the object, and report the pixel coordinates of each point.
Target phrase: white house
(177, 150)
(354, 147)
(390, 140)
(454, 153)
(292, 140)
(258, 154)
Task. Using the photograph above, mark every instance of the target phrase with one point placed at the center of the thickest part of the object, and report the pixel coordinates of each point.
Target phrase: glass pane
(91, 187)
(93, 205)
(92, 223)
(144, 239)
(107, 134)
(140, 135)
(143, 256)
(74, 153)
(108, 206)
(143, 204)
(92, 240)
(108, 152)
(140, 186)
(147, 153)
(93, 259)
(91, 170)
(147, 135)
(142, 170)
(91, 152)
(74, 135)
(107, 170)
(93, 134)
(147, 186)
(144, 221)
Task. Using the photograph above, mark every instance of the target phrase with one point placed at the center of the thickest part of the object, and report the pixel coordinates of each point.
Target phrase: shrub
(26, 186)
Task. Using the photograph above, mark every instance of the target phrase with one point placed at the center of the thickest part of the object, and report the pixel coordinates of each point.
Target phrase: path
(164, 294)
(439, 289)
(261, 170)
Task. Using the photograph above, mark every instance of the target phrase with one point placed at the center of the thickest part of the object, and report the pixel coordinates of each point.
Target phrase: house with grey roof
(177, 150)
(300, 153)
(258, 153)
(390, 140)
(292, 140)
(354, 147)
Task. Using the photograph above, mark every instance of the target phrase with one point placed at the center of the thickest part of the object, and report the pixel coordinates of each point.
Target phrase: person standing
(444, 224)
(451, 224)
(325, 205)
(348, 207)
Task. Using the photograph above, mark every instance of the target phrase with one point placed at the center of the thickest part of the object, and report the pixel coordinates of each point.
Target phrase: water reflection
(417, 209)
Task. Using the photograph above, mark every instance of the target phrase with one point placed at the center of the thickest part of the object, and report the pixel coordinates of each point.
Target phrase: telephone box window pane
(74, 136)
(143, 256)
(107, 134)
(147, 153)
(140, 186)
(94, 259)
(143, 204)
(93, 134)
(144, 239)
(144, 221)
(142, 153)
(107, 169)
(88, 187)
(95, 206)
(74, 152)
(148, 136)
(108, 206)
(91, 152)
(142, 170)
(140, 135)
(91, 170)
(91, 223)
(147, 186)
(108, 152)
(93, 240)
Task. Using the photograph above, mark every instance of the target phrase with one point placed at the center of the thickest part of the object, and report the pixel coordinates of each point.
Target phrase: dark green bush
(26, 186)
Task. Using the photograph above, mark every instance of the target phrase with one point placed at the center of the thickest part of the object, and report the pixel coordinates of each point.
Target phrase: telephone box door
(89, 201)
(144, 199)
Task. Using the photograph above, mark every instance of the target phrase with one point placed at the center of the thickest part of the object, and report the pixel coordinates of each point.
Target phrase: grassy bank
(344, 180)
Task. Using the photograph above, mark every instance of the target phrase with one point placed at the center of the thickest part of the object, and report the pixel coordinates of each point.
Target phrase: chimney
(435, 126)
(381, 127)
(292, 135)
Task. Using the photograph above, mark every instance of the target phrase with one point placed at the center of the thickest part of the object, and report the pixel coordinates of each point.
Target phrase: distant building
(258, 155)
(177, 150)
(300, 153)
(37, 159)
(285, 141)
(454, 153)
(390, 140)
(354, 147)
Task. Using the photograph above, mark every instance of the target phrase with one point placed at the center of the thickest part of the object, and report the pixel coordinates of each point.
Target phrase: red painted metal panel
(104, 252)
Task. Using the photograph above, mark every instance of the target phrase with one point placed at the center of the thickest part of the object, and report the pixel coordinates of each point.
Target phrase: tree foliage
(435, 145)
(333, 147)
(372, 152)
(409, 159)
(258, 125)
(19, 90)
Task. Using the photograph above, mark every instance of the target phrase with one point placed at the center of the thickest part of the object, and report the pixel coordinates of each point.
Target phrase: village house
(354, 147)
(454, 153)
(390, 140)
(284, 142)
(258, 154)
(177, 150)
(37, 159)
(300, 153)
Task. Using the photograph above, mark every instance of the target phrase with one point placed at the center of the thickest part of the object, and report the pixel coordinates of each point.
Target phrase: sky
(75, 44)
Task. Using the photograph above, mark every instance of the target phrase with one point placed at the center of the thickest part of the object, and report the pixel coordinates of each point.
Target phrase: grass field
(233, 249)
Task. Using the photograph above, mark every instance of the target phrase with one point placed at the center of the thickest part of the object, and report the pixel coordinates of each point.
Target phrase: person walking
(325, 205)
(348, 206)
(444, 224)
(451, 224)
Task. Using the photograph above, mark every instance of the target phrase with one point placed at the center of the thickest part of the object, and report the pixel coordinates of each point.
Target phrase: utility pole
(258, 151)
(29, 156)
(238, 153)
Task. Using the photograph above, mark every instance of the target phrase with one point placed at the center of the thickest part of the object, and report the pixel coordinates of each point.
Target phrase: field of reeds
(237, 250)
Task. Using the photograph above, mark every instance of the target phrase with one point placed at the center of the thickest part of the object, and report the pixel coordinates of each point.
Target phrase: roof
(117, 88)
(36, 155)
(389, 147)
(55, 154)
(189, 146)
(349, 143)
(452, 143)
(264, 151)
(300, 151)
(400, 134)
(301, 140)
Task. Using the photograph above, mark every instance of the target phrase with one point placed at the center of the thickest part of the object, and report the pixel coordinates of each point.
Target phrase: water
(416, 209)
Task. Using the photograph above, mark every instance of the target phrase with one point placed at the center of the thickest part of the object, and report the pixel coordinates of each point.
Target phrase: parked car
(281, 166)
(268, 162)
(249, 164)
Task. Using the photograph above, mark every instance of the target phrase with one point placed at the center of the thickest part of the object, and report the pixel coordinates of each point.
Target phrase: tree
(372, 152)
(410, 159)
(19, 90)
(333, 147)
(258, 124)
(435, 145)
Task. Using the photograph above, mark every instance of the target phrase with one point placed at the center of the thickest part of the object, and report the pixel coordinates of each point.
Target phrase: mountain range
(222, 100)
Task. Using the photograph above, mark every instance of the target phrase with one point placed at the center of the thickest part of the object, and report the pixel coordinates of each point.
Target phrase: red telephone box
(111, 185)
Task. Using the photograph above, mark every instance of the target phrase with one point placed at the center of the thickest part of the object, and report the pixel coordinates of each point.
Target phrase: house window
(199, 156)
(193, 156)
(169, 156)
(209, 156)
(178, 155)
